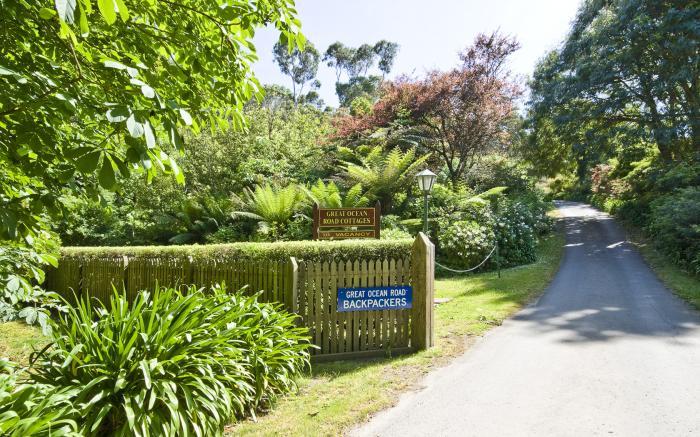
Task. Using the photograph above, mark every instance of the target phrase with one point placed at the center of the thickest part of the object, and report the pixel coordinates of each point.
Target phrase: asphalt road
(607, 350)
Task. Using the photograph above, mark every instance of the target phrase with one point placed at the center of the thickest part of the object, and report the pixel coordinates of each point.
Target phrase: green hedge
(303, 250)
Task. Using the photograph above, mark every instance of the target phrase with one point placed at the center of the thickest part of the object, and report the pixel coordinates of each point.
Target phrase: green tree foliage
(104, 91)
(282, 143)
(675, 224)
(626, 66)
(356, 64)
(387, 51)
(357, 87)
(301, 65)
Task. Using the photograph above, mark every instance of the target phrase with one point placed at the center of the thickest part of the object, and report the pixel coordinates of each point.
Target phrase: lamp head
(426, 180)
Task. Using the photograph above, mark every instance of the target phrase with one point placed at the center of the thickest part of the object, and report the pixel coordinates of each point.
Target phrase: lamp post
(426, 180)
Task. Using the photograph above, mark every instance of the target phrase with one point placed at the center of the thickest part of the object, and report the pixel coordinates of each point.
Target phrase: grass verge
(337, 396)
(682, 283)
(18, 340)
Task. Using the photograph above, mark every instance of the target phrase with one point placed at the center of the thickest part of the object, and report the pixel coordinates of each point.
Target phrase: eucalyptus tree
(301, 65)
(387, 51)
(356, 63)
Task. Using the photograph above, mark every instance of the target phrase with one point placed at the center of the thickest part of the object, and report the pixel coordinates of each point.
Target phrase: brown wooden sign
(343, 223)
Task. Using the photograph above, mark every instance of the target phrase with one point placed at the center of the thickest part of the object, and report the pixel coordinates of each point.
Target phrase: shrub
(34, 409)
(519, 224)
(495, 171)
(394, 234)
(172, 363)
(675, 225)
(21, 270)
(465, 244)
(279, 251)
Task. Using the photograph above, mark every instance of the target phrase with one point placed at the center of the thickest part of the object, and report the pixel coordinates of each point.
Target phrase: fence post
(291, 284)
(423, 283)
(125, 275)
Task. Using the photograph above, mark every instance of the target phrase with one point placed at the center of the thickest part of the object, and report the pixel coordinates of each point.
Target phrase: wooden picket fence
(306, 287)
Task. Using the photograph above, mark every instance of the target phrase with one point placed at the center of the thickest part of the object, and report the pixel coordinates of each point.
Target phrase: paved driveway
(607, 350)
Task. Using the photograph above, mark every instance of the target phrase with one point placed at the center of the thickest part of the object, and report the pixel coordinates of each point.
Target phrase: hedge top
(302, 250)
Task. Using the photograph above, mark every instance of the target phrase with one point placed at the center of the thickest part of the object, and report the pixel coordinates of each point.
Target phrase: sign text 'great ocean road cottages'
(343, 223)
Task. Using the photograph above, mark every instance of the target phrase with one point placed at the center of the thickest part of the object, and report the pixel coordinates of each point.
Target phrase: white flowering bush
(518, 226)
(465, 243)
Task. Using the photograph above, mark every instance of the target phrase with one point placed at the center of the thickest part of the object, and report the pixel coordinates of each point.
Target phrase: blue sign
(397, 297)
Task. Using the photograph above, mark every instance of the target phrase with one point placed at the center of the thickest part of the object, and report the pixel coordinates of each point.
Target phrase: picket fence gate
(305, 287)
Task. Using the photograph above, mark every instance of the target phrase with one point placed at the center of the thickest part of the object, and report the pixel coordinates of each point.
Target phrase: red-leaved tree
(457, 115)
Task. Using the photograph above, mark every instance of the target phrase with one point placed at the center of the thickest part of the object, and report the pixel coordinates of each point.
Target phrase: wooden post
(377, 219)
(316, 218)
(423, 283)
(291, 282)
(125, 275)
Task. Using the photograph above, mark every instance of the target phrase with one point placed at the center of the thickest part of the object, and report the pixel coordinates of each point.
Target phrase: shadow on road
(604, 289)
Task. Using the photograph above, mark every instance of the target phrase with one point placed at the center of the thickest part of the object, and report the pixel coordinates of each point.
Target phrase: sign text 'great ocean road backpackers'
(397, 297)
(343, 223)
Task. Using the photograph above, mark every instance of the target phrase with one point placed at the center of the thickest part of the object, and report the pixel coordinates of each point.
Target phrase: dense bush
(657, 196)
(21, 273)
(172, 363)
(28, 409)
(467, 226)
(675, 226)
(279, 251)
(519, 224)
(464, 244)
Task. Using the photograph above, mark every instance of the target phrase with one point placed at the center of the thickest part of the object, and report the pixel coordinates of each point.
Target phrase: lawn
(339, 395)
(18, 340)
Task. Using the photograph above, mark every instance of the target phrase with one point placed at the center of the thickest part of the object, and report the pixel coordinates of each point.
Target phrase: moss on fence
(303, 250)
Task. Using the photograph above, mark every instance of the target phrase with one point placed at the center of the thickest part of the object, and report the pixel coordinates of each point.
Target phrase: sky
(430, 33)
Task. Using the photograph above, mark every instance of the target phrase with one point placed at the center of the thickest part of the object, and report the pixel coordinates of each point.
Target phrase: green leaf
(88, 162)
(84, 26)
(175, 138)
(4, 71)
(115, 64)
(146, 373)
(148, 91)
(117, 114)
(107, 10)
(66, 10)
(107, 177)
(186, 117)
(135, 127)
(123, 11)
(46, 13)
(150, 138)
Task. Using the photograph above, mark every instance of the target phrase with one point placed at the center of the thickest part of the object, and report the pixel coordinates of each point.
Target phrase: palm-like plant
(385, 174)
(327, 195)
(199, 218)
(272, 206)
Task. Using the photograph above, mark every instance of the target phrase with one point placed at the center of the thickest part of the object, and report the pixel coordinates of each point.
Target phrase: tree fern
(385, 174)
(273, 207)
(328, 195)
